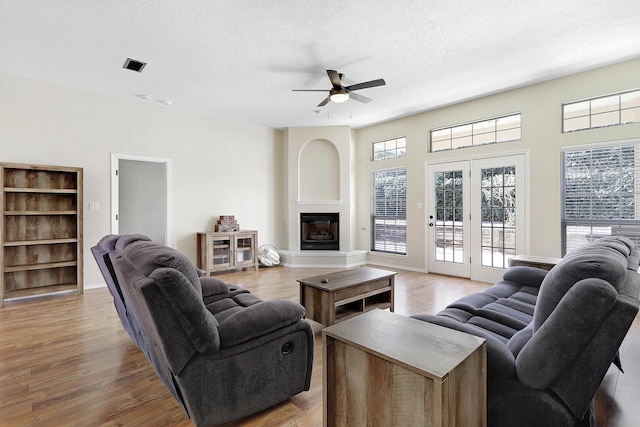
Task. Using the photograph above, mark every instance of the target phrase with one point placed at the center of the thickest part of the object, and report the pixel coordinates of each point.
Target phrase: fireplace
(319, 231)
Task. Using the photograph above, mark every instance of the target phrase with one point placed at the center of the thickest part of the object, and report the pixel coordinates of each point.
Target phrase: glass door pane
(244, 250)
(498, 213)
(448, 229)
(221, 252)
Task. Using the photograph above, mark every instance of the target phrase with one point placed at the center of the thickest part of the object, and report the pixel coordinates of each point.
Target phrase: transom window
(389, 211)
(490, 131)
(610, 110)
(389, 149)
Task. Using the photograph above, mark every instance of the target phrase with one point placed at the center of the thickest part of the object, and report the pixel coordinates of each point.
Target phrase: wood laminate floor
(65, 360)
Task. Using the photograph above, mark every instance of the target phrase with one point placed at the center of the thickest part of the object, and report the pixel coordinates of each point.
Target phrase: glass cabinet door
(221, 252)
(244, 250)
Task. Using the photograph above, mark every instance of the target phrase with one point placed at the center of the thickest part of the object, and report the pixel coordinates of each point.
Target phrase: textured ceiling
(239, 60)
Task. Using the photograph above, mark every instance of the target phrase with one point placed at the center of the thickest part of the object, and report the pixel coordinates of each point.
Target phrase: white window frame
(487, 131)
(389, 149)
(602, 111)
(578, 231)
(389, 225)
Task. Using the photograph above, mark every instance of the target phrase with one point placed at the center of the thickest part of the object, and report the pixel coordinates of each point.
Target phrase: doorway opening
(140, 196)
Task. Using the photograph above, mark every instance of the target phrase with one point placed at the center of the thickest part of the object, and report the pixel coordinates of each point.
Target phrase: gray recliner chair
(213, 289)
(223, 356)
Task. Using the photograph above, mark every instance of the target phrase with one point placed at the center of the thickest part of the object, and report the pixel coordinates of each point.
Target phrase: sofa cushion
(187, 309)
(108, 242)
(258, 320)
(503, 311)
(500, 361)
(633, 262)
(212, 286)
(519, 339)
(226, 307)
(148, 256)
(566, 333)
(523, 276)
(622, 244)
(603, 259)
(124, 240)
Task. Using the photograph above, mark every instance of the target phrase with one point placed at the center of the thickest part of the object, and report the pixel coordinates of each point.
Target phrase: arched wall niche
(319, 171)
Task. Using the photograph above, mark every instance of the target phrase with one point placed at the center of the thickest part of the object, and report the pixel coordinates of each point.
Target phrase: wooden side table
(382, 368)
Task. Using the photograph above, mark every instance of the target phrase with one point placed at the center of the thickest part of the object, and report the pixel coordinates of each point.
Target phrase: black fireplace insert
(319, 231)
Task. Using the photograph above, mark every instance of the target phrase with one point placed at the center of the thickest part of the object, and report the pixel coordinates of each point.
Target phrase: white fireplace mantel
(319, 202)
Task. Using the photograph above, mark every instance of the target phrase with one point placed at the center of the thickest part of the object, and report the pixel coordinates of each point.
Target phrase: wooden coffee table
(335, 297)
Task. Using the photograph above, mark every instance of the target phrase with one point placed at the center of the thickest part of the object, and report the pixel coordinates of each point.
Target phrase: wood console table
(545, 263)
(381, 368)
(227, 250)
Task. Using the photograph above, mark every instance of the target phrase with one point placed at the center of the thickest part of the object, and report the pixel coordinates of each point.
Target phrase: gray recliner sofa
(221, 352)
(552, 336)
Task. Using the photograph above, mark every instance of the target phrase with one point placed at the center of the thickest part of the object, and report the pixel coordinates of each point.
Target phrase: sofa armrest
(214, 289)
(529, 276)
(257, 320)
(213, 286)
(565, 333)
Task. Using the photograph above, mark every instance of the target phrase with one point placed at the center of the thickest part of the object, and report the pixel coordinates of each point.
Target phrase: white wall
(541, 110)
(228, 168)
(218, 167)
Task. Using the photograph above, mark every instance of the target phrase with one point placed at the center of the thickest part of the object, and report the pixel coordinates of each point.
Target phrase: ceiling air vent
(135, 65)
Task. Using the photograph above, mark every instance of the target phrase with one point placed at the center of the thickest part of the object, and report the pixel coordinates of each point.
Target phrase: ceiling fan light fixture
(340, 96)
(339, 93)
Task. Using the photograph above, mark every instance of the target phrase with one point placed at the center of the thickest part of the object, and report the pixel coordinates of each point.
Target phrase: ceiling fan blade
(325, 101)
(335, 78)
(309, 90)
(365, 85)
(359, 97)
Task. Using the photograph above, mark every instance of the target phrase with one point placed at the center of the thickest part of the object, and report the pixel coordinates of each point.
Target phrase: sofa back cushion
(101, 251)
(147, 256)
(604, 259)
(187, 309)
(124, 240)
(170, 313)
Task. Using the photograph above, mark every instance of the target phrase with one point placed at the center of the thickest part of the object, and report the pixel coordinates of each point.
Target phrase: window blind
(389, 211)
(600, 190)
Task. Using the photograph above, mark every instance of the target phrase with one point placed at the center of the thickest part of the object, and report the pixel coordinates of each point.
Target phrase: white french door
(476, 216)
(448, 219)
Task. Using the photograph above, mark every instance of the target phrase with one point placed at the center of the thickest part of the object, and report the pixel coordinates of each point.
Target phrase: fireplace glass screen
(319, 231)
